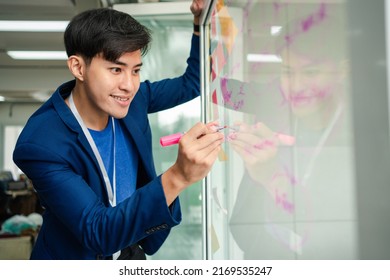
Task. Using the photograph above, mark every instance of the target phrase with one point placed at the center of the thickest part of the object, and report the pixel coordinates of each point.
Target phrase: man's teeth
(121, 98)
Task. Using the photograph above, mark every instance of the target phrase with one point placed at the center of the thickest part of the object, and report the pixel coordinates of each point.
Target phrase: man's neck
(89, 114)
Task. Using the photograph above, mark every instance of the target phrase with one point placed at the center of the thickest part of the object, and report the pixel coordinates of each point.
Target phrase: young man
(88, 149)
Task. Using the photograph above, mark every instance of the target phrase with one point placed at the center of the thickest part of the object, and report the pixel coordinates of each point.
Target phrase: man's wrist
(196, 27)
(196, 20)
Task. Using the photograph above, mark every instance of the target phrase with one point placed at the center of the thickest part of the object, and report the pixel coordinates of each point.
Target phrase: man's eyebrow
(125, 64)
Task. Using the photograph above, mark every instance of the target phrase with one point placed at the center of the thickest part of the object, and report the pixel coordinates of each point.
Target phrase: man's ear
(76, 65)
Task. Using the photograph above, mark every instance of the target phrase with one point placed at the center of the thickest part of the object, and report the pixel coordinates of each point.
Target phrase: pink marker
(171, 139)
(175, 138)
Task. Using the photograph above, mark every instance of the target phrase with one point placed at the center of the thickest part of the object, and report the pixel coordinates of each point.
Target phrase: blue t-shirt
(126, 158)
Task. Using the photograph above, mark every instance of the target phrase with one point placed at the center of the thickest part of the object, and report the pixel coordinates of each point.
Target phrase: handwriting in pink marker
(314, 19)
(227, 95)
(306, 25)
(281, 200)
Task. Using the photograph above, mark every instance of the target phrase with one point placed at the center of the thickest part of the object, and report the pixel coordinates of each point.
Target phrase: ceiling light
(33, 26)
(38, 55)
(272, 58)
(275, 30)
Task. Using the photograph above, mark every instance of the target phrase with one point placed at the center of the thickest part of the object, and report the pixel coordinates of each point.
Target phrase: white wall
(16, 115)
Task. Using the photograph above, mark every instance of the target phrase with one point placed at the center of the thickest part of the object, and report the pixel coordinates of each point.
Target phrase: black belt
(133, 252)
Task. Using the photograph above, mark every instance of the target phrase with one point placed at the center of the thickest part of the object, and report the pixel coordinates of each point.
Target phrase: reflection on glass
(279, 80)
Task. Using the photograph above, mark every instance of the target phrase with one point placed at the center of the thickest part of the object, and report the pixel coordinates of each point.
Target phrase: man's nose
(128, 83)
(297, 82)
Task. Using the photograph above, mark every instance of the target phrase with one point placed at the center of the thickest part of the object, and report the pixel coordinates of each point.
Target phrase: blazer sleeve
(169, 93)
(100, 228)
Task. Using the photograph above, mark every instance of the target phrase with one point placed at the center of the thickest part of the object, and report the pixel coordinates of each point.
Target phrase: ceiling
(35, 80)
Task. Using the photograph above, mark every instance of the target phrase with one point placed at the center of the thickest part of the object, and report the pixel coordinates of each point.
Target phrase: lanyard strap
(111, 191)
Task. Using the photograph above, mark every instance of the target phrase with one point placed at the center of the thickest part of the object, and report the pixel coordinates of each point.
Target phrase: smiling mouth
(301, 99)
(122, 99)
(306, 99)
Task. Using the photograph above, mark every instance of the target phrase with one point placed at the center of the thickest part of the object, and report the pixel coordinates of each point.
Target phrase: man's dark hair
(105, 31)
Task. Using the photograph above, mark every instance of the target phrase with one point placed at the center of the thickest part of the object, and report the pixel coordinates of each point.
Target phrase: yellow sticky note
(222, 155)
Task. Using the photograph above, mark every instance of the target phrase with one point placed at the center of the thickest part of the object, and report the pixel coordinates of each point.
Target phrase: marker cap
(171, 139)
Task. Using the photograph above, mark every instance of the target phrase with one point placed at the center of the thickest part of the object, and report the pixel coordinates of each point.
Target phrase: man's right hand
(198, 150)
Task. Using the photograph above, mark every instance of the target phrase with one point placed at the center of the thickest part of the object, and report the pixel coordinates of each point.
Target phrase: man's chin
(304, 111)
(120, 115)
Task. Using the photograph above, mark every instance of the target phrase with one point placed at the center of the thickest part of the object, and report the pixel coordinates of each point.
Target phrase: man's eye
(115, 70)
(136, 71)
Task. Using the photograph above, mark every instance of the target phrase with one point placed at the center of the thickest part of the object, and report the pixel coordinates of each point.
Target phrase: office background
(334, 206)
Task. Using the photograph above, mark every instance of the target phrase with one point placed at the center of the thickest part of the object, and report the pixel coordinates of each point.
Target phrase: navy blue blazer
(78, 221)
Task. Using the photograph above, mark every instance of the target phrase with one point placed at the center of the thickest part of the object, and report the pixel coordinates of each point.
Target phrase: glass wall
(288, 184)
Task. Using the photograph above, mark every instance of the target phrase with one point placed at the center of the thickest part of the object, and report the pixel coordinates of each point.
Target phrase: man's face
(307, 85)
(111, 86)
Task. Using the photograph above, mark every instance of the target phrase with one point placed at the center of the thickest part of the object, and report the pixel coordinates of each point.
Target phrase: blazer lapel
(70, 120)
